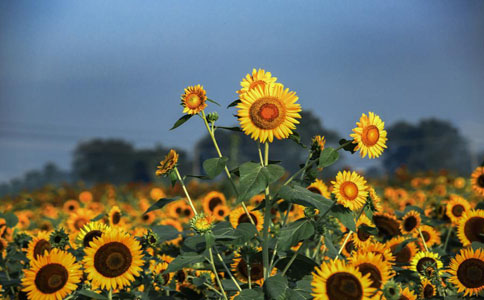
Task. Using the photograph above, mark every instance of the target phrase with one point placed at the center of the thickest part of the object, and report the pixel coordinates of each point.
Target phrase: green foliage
(160, 204)
(165, 232)
(295, 232)
(254, 178)
(182, 261)
(181, 121)
(328, 157)
(275, 287)
(214, 166)
(299, 195)
(253, 294)
(10, 219)
(345, 216)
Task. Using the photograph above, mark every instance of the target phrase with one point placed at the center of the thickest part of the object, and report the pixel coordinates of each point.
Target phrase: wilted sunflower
(89, 232)
(114, 216)
(456, 207)
(477, 181)
(265, 113)
(471, 227)
(52, 276)
(370, 135)
(38, 245)
(238, 216)
(335, 280)
(259, 78)
(467, 270)
(410, 222)
(167, 164)
(350, 189)
(212, 200)
(370, 263)
(113, 260)
(428, 289)
(426, 264)
(194, 100)
(79, 218)
(319, 187)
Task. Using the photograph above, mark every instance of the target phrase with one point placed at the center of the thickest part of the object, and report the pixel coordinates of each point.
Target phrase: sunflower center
(51, 278)
(474, 229)
(428, 291)
(112, 259)
(256, 270)
(480, 181)
(350, 247)
(402, 256)
(471, 273)
(424, 263)
(410, 223)
(214, 202)
(426, 236)
(349, 190)
(267, 113)
(180, 276)
(314, 190)
(41, 247)
(71, 207)
(193, 101)
(370, 135)
(363, 235)
(245, 219)
(116, 217)
(344, 286)
(386, 226)
(187, 212)
(374, 272)
(457, 210)
(90, 236)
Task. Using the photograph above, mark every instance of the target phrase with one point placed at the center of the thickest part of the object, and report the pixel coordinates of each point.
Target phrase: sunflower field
(253, 231)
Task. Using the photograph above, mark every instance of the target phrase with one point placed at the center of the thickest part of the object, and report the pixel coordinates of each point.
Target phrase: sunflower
(405, 254)
(240, 269)
(369, 135)
(202, 223)
(167, 164)
(220, 212)
(430, 235)
(212, 200)
(78, 219)
(38, 245)
(375, 198)
(407, 294)
(318, 144)
(477, 181)
(456, 207)
(52, 276)
(349, 247)
(319, 187)
(387, 224)
(410, 222)
(113, 260)
(114, 216)
(350, 189)
(362, 238)
(70, 206)
(379, 249)
(194, 99)
(238, 216)
(426, 264)
(85, 197)
(471, 227)
(161, 278)
(157, 193)
(428, 290)
(371, 263)
(459, 182)
(467, 270)
(259, 78)
(335, 280)
(89, 232)
(265, 113)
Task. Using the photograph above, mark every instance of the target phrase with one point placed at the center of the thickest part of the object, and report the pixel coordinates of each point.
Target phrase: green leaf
(301, 267)
(302, 196)
(295, 137)
(254, 178)
(160, 203)
(234, 128)
(91, 294)
(223, 231)
(173, 178)
(10, 219)
(253, 294)
(480, 205)
(245, 232)
(98, 217)
(182, 261)
(328, 157)
(293, 233)
(477, 245)
(209, 239)
(332, 251)
(213, 101)
(165, 232)
(234, 103)
(345, 216)
(275, 287)
(180, 121)
(214, 166)
(349, 147)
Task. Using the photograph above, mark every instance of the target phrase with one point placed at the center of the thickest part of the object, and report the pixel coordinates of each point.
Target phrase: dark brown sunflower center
(113, 259)
(350, 247)
(221, 212)
(480, 181)
(363, 235)
(471, 273)
(426, 236)
(51, 278)
(41, 247)
(428, 291)
(187, 212)
(410, 223)
(256, 270)
(474, 229)
(458, 210)
(370, 135)
(116, 217)
(71, 207)
(375, 274)
(314, 190)
(344, 286)
(90, 236)
(424, 263)
(245, 219)
(267, 113)
(180, 276)
(387, 227)
(402, 256)
(214, 202)
(349, 190)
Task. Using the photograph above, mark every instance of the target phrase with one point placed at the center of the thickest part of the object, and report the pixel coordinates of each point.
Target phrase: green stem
(423, 240)
(267, 220)
(227, 270)
(216, 274)
(293, 258)
(305, 165)
(189, 200)
(110, 294)
(344, 145)
(351, 232)
(447, 238)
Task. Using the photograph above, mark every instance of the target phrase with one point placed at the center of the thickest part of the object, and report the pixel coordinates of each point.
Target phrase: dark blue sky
(73, 70)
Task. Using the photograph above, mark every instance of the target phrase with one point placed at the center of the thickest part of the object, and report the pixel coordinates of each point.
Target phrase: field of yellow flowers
(257, 232)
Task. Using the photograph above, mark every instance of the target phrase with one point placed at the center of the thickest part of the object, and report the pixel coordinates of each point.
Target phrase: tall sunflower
(426, 264)
(258, 78)
(268, 112)
(467, 270)
(456, 207)
(238, 216)
(477, 181)
(350, 189)
(362, 238)
(471, 227)
(38, 245)
(52, 276)
(113, 260)
(370, 136)
(430, 235)
(194, 99)
(89, 232)
(379, 249)
(167, 164)
(335, 280)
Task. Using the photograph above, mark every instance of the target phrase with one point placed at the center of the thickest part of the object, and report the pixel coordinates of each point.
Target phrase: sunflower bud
(150, 239)
(212, 117)
(310, 212)
(318, 144)
(201, 223)
(391, 290)
(59, 239)
(21, 240)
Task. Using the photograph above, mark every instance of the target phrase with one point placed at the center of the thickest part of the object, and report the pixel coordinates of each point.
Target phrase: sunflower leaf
(349, 147)
(345, 216)
(328, 157)
(332, 251)
(233, 103)
(160, 204)
(10, 219)
(182, 261)
(252, 294)
(92, 295)
(180, 121)
(302, 196)
(245, 232)
(165, 232)
(296, 138)
(214, 102)
(234, 128)
(254, 178)
(293, 233)
(214, 166)
(275, 287)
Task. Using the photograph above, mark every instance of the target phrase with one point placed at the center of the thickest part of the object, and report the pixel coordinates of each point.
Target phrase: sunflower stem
(344, 145)
(344, 242)
(189, 200)
(293, 258)
(216, 274)
(248, 272)
(267, 219)
(423, 239)
(228, 270)
(447, 238)
(110, 294)
(306, 165)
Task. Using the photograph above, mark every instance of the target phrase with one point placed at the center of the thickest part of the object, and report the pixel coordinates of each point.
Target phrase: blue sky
(73, 70)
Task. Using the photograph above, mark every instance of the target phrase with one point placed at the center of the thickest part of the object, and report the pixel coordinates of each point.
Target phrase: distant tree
(430, 145)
